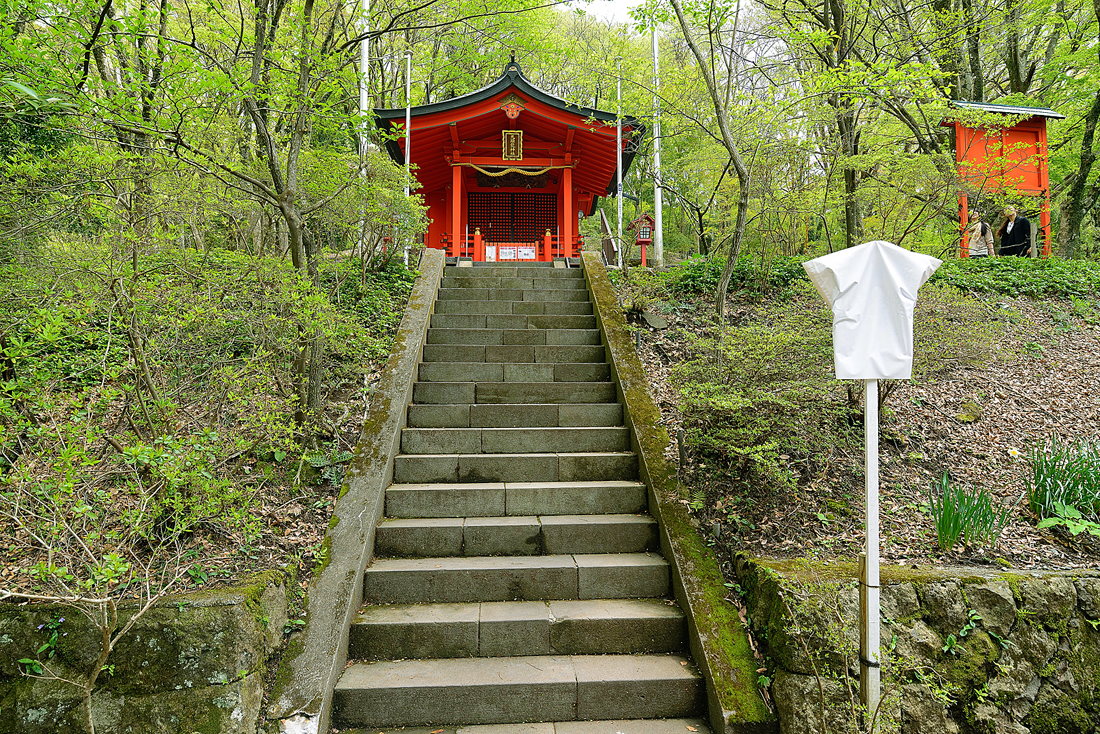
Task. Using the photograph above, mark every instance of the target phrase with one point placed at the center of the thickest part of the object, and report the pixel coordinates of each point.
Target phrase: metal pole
(364, 78)
(364, 108)
(658, 230)
(869, 670)
(619, 155)
(408, 120)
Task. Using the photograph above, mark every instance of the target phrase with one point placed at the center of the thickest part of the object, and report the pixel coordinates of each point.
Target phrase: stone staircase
(516, 576)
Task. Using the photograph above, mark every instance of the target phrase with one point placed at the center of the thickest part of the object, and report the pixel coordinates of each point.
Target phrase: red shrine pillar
(1044, 222)
(964, 217)
(569, 217)
(456, 212)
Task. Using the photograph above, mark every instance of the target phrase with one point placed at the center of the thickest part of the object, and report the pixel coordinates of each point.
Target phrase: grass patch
(1064, 485)
(1066, 473)
(967, 515)
(1021, 276)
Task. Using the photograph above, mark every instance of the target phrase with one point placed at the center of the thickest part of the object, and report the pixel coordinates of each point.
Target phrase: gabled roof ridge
(512, 77)
(1008, 109)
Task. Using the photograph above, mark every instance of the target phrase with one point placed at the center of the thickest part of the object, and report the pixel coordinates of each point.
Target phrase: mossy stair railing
(718, 639)
(300, 701)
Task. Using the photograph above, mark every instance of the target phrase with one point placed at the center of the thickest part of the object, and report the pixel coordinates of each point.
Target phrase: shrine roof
(1007, 109)
(545, 118)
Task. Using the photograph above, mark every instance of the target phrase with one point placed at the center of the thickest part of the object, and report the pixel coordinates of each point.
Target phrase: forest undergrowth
(1006, 366)
(150, 430)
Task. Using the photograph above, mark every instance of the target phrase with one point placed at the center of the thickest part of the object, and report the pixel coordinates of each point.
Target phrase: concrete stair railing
(517, 576)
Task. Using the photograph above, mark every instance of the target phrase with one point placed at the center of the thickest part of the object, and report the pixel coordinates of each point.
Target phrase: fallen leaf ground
(1045, 382)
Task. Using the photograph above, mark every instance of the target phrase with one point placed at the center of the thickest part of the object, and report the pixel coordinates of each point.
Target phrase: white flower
(1014, 453)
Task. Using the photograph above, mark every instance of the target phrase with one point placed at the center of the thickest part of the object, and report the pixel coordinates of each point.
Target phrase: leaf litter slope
(976, 419)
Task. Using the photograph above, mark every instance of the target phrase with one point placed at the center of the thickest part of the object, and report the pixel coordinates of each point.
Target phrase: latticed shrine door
(511, 219)
(535, 213)
(491, 213)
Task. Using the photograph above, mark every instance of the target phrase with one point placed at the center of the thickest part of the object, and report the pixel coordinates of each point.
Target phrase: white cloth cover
(872, 290)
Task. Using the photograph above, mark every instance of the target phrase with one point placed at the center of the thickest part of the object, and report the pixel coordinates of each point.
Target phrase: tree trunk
(1014, 60)
(948, 55)
(1080, 197)
(735, 160)
(849, 145)
(973, 37)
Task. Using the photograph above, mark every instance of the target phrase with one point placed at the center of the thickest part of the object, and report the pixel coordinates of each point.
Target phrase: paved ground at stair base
(628, 726)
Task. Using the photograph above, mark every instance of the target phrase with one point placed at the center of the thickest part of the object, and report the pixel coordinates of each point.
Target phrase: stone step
(514, 416)
(513, 372)
(512, 354)
(511, 321)
(531, 467)
(515, 535)
(499, 629)
(493, 499)
(512, 578)
(579, 295)
(573, 439)
(510, 271)
(525, 282)
(620, 726)
(534, 337)
(512, 690)
(549, 308)
(456, 393)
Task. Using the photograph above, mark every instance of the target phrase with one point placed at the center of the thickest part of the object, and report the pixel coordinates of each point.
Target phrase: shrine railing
(610, 249)
(545, 249)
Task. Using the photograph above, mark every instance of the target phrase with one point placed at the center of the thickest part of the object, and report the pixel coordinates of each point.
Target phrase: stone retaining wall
(193, 663)
(963, 650)
(300, 699)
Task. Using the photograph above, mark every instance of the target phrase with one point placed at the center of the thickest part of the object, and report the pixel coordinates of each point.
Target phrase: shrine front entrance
(513, 226)
(507, 171)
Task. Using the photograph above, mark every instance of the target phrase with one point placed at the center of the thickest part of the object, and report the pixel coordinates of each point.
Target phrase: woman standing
(1015, 234)
(981, 237)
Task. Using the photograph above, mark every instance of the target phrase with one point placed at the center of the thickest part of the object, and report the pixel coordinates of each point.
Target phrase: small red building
(507, 170)
(643, 233)
(996, 159)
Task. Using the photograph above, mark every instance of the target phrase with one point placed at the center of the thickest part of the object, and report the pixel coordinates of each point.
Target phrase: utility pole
(619, 155)
(364, 79)
(408, 120)
(658, 229)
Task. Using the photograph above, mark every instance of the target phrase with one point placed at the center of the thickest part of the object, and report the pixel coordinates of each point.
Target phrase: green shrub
(700, 276)
(1021, 276)
(1067, 475)
(765, 390)
(695, 276)
(952, 328)
(195, 439)
(969, 515)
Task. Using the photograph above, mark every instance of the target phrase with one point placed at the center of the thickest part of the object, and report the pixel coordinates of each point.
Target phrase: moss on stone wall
(968, 665)
(193, 662)
(729, 665)
(1033, 662)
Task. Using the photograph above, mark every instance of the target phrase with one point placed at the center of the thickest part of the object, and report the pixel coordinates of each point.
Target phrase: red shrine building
(1003, 159)
(507, 171)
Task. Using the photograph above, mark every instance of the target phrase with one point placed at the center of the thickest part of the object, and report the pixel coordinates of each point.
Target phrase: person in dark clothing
(1015, 234)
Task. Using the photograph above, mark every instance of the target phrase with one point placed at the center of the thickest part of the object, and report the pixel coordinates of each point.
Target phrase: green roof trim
(1006, 109)
(512, 77)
